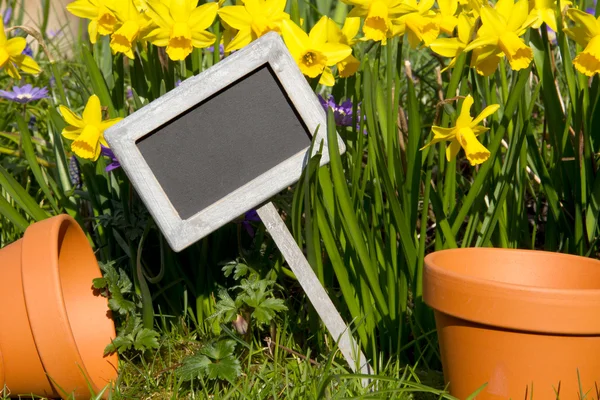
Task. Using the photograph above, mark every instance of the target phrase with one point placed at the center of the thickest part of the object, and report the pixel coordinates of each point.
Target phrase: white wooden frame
(122, 139)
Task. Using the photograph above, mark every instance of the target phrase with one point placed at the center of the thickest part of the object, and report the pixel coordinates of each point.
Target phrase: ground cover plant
(467, 123)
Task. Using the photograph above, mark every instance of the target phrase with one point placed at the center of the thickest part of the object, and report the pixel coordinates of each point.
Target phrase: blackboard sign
(223, 142)
(251, 123)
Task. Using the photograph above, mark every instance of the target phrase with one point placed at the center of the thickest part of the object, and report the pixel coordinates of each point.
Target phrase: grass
(273, 369)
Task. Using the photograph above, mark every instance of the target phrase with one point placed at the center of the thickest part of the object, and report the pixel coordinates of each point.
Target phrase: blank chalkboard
(222, 143)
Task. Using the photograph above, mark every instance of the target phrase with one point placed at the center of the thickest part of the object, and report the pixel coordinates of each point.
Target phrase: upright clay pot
(54, 328)
(518, 320)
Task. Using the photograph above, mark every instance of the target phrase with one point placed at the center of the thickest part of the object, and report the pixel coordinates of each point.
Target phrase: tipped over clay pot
(54, 327)
(517, 321)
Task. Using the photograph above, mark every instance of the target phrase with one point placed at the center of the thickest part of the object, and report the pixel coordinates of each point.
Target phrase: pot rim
(562, 311)
(45, 282)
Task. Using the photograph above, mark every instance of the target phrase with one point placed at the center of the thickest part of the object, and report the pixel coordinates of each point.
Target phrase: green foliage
(214, 361)
(117, 287)
(253, 296)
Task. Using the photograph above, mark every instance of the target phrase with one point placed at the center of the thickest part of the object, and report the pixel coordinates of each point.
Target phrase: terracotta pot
(54, 327)
(518, 320)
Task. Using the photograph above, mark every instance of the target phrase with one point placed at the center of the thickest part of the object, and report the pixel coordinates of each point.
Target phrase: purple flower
(249, 217)
(109, 153)
(25, 94)
(52, 33)
(28, 51)
(342, 113)
(221, 49)
(7, 14)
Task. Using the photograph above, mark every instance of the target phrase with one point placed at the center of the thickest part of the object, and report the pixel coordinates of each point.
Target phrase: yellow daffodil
(446, 15)
(500, 34)
(464, 134)
(102, 20)
(311, 51)
(87, 132)
(349, 65)
(253, 19)
(586, 33)
(545, 11)
(378, 16)
(133, 25)
(419, 22)
(11, 56)
(453, 47)
(181, 26)
(470, 7)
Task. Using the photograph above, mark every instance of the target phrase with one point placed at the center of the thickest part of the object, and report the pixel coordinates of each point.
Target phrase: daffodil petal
(588, 61)
(92, 114)
(202, 17)
(518, 16)
(518, 53)
(27, 64)
(104, 125)
(348, 66)
(87, 144)
(377, 25)
(236, 16)
(481, 42)
(71, 132)
(203, 39)
(71, 118)
(351, 28)
(489, 110)
(2, 34)
(295, 38)
(492, 19)
(335, 52)
(440, 135)
(15, 46)
(452, 150)
(160, 14)
(243, 38)
(475, 151)
(93, 31)
(83, 9)
(318, 33)
(464, 119)
(584, 20)
(446, 47)
(159, 37)
(327, 78)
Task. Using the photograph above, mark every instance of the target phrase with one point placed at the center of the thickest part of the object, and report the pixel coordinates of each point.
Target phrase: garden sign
(225, 142)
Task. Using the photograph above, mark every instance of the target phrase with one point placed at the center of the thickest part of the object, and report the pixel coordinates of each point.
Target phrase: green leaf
(227, 368)
(146, 339)
(265, 311)
(225, 308)
(238, 269)
(118, 303)
(193, 367)
(120, 344)
(33, 163)
(99, 283)
(220, 350)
